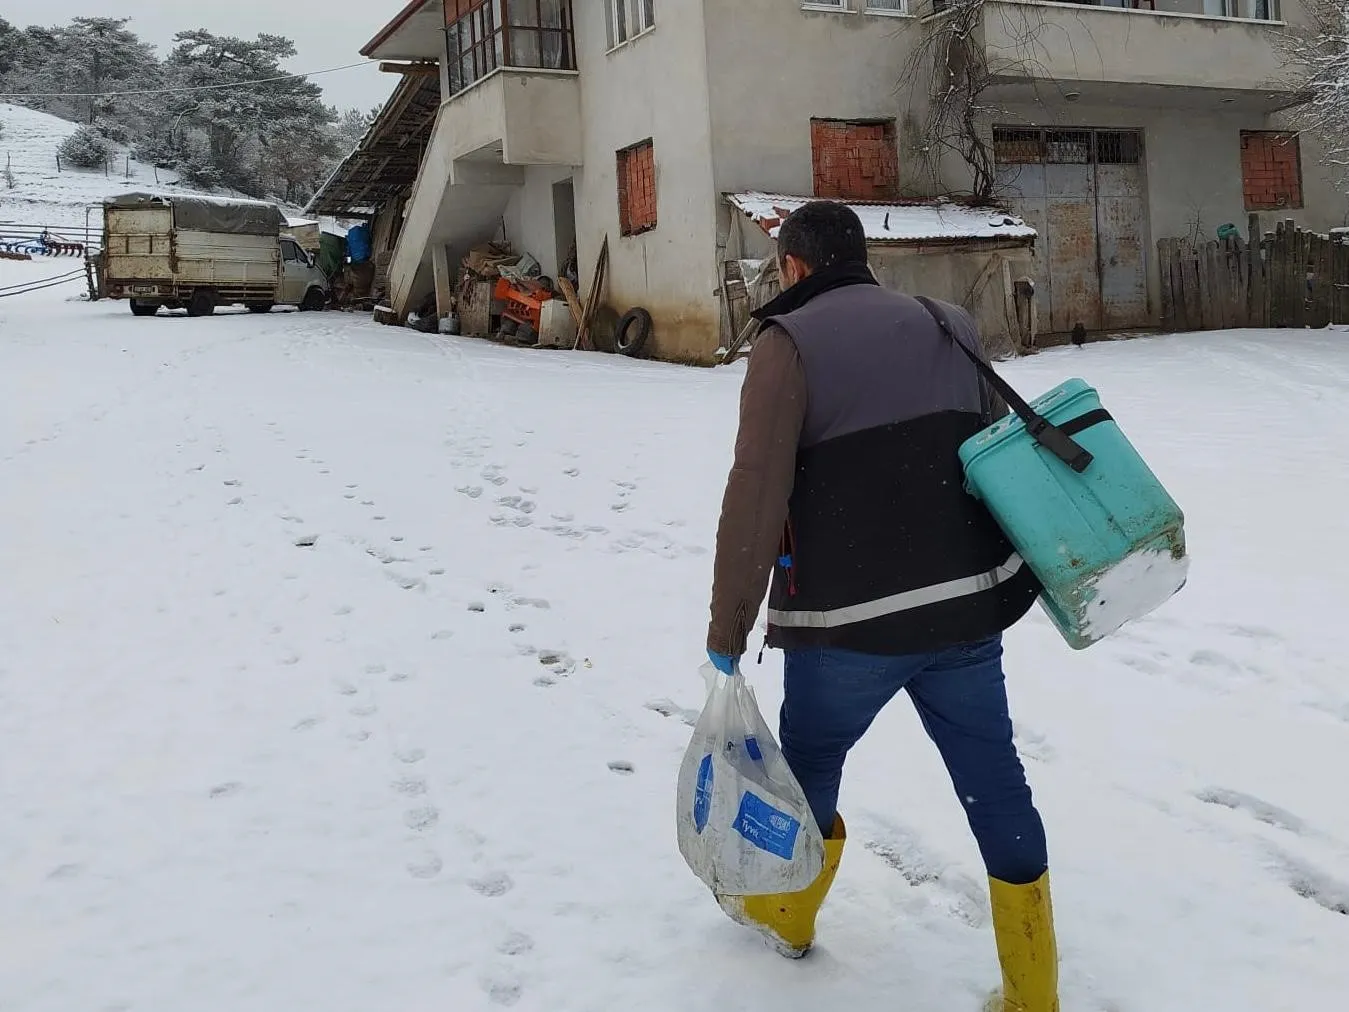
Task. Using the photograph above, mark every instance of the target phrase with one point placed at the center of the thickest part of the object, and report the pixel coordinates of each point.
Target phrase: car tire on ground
(139, 308)
(314, 300)
(633, 329)
(259, 307)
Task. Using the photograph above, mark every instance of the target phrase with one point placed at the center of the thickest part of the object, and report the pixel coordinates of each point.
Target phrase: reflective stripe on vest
(895, 603)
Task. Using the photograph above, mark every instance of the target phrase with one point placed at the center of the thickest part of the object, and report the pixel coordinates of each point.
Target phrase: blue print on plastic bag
(702, 794)
(766, 827)
(752, 749)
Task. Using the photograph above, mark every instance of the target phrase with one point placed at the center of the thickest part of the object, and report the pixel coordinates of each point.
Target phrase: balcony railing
(1251, 10)
(482, 36)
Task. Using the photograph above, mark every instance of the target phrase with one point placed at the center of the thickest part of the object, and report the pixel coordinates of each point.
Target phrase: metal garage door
(1083, 191)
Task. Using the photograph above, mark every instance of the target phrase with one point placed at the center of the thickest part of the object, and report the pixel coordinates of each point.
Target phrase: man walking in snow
(848, 493)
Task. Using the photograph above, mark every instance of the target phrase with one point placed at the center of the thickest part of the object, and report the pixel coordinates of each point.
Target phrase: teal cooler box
(1108, 543)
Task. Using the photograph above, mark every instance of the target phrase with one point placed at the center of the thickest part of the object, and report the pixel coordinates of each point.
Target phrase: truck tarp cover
(211, 214)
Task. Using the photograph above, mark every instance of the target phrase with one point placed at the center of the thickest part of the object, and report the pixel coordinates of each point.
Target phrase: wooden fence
(1285, 278)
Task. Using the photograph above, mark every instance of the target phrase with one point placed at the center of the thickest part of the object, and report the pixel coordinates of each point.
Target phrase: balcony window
(482, 35)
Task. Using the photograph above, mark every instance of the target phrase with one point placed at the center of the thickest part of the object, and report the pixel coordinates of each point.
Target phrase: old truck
(197, 253)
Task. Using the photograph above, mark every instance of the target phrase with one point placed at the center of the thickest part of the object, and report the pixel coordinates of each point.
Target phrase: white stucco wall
(529, 217)
(654, 87)
(762, 102)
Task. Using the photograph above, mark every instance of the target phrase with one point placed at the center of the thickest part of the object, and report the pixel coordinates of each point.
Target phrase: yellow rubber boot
(1023, 923)
(787, 920)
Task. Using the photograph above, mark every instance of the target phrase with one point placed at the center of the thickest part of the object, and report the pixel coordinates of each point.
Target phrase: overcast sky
(327, 33)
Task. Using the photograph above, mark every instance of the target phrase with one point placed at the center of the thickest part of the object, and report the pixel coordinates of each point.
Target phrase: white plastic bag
(744, 825)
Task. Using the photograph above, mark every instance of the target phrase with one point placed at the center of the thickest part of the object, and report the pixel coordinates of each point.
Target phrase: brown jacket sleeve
(754, 508)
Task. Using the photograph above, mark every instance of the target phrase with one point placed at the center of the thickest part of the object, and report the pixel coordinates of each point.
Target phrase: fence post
(1164, 247)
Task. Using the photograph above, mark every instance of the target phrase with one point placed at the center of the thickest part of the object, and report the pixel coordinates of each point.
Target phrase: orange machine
(522, 301)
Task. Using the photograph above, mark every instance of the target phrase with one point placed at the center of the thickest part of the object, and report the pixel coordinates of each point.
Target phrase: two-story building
(1105, 125)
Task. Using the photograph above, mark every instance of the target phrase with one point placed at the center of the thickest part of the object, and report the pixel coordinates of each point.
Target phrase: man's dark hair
(823, 233)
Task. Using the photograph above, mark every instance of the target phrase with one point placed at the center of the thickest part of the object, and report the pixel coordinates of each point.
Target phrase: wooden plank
(1241, 266)
(1325, 287)
(1222, 285)
(1297, 277)
(569, 293)
(1189, 267)
(1166, 253)
(440, 269)
(1255, 285)
(409, 68)
(593, 298)
(1278, 282)
(1340, 281)
(1203, 279)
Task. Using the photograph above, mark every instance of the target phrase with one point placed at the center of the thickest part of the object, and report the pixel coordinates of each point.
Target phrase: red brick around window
(637, 188)
(855, 159)
(1271, 170)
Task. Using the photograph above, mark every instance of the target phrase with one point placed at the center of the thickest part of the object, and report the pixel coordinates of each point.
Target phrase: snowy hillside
(44, 196)
(41, 195)
(345, 668)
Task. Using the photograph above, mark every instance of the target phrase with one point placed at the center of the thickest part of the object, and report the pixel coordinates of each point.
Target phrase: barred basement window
(1018, 147)
(1118, 147)
(1034, 145)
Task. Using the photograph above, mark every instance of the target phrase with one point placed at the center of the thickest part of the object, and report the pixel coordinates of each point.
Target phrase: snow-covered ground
(345, 668)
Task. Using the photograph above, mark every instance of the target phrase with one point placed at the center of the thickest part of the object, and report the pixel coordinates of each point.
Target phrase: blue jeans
(832, 696)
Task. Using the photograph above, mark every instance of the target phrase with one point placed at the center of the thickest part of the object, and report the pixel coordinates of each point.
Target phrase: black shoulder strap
(1051, 437)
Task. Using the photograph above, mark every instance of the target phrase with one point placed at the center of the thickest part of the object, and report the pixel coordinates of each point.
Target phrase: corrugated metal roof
(908, 221)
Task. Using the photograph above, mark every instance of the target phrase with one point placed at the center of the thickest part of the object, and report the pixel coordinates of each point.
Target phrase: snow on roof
(899, 222)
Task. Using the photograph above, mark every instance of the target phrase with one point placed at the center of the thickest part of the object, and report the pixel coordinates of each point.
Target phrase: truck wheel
(259, 307)
(201, 304)
(314, 300)
(139, 308)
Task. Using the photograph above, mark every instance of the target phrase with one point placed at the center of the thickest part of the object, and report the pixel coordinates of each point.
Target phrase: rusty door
(1120, 225)
(1082, 190)
(1070, 248)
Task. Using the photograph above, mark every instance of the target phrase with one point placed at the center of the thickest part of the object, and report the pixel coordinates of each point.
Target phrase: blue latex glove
(723, 662)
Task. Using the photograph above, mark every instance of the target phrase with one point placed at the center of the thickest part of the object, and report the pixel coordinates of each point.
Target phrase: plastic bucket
(1108, 545)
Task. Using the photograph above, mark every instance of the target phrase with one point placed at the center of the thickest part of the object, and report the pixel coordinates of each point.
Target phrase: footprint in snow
(1313, 884)
(493, 885)
(429, 865)
(226, 790)
(411, 756)
(502, 992)
(306, 724)
(421, 819)
(669, 708)
(517, 943)
(622, 767)
(472, 491)
(411, 787)
(544, 682)
(1261, 811)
